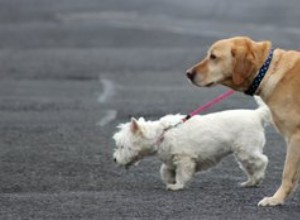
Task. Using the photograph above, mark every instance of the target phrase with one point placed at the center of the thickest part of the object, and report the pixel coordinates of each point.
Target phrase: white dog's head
(135, 140)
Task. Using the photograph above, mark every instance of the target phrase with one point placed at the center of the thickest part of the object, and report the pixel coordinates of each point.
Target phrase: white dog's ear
(142, 119)
(134, 126)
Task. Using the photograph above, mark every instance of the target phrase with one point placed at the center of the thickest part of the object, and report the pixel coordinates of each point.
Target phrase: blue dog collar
(262, 72)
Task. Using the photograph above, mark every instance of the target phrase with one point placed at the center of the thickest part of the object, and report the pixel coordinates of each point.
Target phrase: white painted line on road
(108, 90)
(108, 117)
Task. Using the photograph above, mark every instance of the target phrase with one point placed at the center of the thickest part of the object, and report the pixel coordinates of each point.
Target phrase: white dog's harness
(196, 112)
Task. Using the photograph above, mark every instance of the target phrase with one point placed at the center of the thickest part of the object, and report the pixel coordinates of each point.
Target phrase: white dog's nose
(115, 160)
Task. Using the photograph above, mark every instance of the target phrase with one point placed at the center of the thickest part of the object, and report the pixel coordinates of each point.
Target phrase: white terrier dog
(197, 144)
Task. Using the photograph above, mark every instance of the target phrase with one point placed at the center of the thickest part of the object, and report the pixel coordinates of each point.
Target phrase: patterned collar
(262, 72)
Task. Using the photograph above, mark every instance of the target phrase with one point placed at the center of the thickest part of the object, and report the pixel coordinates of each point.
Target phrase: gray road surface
(71, 70)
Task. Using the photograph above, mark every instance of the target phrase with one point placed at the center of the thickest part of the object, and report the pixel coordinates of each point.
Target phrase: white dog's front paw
(174, 187)
(270, 201)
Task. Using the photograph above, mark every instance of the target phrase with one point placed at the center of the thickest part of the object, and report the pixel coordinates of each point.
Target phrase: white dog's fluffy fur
(198, 144)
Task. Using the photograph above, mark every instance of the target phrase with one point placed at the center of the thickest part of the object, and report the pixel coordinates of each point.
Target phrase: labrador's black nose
(190, 74)
(115, 160)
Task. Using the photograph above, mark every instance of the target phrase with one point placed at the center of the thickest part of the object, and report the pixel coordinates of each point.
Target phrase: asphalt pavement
(72, 70)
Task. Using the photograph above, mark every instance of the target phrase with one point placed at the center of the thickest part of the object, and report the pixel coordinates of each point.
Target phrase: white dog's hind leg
(254, 166)
(259, 169)
(185, 169)
(167, 174)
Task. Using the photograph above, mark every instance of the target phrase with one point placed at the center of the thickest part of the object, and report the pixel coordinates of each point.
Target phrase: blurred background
(72, 70)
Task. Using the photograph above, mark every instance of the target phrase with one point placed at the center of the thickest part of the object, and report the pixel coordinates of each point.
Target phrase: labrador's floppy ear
(243, 64)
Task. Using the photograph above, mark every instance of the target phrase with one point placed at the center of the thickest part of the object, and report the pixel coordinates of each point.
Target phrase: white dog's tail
(263, 110)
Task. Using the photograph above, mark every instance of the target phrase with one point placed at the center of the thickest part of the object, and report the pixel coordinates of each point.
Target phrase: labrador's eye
(212, 57)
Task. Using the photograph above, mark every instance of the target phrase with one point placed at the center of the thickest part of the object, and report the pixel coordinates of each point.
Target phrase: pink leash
(209, 104)
(197, 111)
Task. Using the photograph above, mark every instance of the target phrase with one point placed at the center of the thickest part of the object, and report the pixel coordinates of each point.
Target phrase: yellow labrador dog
(255, 68)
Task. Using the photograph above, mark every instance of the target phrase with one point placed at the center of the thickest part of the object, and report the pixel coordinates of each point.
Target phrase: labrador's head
(232, 62)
